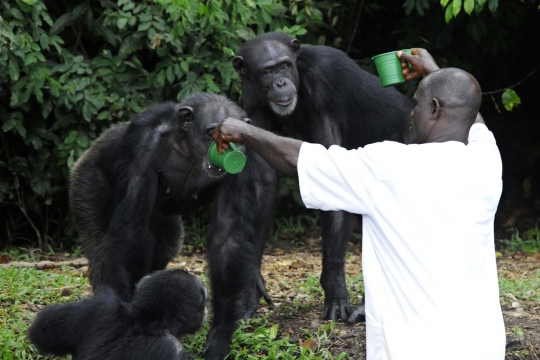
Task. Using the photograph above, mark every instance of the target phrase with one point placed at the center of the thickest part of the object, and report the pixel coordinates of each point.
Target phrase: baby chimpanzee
(166, 305)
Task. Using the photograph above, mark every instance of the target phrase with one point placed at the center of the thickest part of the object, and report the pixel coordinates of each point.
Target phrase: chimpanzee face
(184, 168)
(271, 70)
(199, 114)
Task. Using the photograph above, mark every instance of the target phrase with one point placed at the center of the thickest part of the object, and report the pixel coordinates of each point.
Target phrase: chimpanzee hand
(230, 130)
(421, 60)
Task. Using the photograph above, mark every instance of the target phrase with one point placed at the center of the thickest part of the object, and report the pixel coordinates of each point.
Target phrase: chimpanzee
(323, 95)
(129, 190)
(166, 305)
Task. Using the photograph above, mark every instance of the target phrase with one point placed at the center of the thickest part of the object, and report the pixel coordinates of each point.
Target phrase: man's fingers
(411, 75)
(403, 56)
(215, 132)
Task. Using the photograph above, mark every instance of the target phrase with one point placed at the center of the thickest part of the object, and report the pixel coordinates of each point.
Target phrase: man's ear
(239, 65)
(435, 109)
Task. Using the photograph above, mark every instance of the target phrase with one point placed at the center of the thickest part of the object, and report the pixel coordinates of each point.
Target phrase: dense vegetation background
(69, 69)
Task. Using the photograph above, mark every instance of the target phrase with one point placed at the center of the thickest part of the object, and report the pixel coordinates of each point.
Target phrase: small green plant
(529, 243)
(196, 228)
(518, 331)
(526, 289)
(294, 228)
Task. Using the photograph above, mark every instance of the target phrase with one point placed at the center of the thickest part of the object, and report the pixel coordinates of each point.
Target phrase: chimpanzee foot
(217, 346)
(358, 314)
(252, 297)
(336, 308)
(336, 296)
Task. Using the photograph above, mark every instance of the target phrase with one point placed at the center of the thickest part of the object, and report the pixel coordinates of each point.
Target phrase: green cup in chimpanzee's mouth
(232, 160)
(389, 68)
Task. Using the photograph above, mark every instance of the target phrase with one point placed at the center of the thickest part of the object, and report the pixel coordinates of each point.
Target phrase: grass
(525, 289)
(529, 242)
(21, 289)
(292, 228)
(24, 291)
(259, 338)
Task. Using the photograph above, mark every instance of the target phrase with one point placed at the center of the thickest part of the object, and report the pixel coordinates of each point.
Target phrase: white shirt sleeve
(480, 133)
(335, 179)
(483, 144)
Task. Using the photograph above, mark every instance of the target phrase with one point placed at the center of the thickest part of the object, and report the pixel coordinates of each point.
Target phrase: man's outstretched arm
(280, 152)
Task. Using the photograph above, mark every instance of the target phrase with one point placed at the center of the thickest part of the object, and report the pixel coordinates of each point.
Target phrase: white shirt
(428, 247)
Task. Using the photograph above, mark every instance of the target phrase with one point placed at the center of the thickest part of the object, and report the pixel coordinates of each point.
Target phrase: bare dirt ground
(285, 267)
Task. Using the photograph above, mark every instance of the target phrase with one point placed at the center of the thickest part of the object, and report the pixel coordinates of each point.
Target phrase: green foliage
(259, 338)
(510, 99)
(529, 243)
(294, 228)
(487, 22)
(68, 70)
(453, 7)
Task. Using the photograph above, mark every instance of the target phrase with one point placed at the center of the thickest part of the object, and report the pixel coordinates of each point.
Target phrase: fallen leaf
(309, 344)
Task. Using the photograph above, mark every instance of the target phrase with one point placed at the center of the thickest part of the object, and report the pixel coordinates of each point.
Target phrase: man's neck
(461, 135)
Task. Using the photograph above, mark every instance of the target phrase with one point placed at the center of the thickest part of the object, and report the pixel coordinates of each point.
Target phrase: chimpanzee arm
(239, 227)
(134, 199)
(280, 152)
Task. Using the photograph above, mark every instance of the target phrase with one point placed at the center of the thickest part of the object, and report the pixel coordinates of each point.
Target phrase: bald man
(428, 254)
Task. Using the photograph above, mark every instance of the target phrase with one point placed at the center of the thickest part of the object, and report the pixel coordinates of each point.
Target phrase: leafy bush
(68, 70)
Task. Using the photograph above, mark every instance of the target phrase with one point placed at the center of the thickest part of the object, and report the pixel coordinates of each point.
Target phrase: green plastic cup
(232, 160)
(389, 68)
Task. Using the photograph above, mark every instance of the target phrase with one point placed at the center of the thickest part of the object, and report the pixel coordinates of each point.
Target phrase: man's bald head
(457, 92)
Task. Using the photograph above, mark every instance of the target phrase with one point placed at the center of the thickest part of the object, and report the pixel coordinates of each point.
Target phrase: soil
(283, 265)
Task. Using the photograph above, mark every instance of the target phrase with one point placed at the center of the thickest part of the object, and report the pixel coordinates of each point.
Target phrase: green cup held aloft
(232, 160)
(389, 68)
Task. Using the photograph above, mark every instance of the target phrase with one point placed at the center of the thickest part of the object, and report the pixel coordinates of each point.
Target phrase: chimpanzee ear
(185, 113)
(295, 45)
(239, 65)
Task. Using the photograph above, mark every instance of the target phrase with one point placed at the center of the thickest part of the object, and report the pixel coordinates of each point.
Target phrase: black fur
(165, 306)
(128, 190)
(322, 95)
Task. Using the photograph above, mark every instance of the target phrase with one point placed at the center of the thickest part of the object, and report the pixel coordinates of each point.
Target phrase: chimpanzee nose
(281, 82)
(210, 128)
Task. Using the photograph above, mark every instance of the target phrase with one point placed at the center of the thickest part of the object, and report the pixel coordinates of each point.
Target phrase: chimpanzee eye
(267, 72)
(285, 66)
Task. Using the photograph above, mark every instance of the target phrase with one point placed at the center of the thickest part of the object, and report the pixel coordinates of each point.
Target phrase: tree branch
(355, 26)
(510, 87)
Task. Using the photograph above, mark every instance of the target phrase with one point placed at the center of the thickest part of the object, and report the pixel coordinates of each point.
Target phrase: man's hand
(230, 130)
(421, 60)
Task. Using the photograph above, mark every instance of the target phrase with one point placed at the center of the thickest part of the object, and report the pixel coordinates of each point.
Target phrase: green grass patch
(259, 338)
(527, 242)
(21, 289)
(525, 289)
(313, 290)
